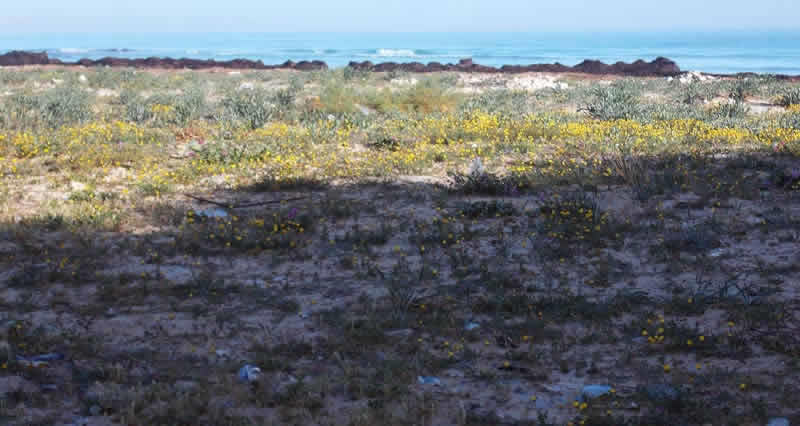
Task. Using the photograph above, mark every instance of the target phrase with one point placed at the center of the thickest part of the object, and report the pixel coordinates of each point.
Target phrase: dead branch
(243, 205)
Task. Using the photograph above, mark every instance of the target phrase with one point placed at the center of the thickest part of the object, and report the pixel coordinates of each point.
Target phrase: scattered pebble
(80, 421)
(778, 421)
(716, 252)
(16, 384)
(185, 385)
(7, 247)
(405, 332)
(49, 387)
(285, 382)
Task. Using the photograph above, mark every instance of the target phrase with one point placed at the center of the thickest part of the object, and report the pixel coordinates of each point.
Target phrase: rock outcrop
(659, 67)
(41, 58)
(17, 57)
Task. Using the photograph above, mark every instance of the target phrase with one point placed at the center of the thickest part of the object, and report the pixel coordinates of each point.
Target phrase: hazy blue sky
(393, 15)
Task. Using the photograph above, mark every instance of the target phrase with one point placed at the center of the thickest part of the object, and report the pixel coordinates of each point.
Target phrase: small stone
(404, 332)
(95, 410)
(16, 384)
(284, 384)
(82, 78)
(185, 385)
(471, 326)
(753, 220)
(163, 241)
(7, 247)
(778, 421)
(176, 273)
(49, 387)
(454, 373)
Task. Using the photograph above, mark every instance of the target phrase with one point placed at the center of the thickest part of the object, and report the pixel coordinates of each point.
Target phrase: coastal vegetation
(398, 248)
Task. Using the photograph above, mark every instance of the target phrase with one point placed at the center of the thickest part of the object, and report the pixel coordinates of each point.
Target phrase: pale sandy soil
(154, 321)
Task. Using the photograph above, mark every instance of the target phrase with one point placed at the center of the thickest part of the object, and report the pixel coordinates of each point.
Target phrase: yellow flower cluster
(550, 144)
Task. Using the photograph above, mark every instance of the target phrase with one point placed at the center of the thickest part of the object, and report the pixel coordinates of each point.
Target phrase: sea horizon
(726, 52)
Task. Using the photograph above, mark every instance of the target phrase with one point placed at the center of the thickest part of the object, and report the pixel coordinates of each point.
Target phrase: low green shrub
(615, 102)
(790, 97)
(53, 108)
(253, 107)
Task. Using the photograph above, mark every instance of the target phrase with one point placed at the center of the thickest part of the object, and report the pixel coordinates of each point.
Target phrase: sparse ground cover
(397, 249)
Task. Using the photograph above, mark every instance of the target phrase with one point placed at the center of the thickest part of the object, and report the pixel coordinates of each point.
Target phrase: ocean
(720, 52)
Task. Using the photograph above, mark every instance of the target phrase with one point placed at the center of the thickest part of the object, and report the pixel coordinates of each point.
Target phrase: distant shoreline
(659, 67)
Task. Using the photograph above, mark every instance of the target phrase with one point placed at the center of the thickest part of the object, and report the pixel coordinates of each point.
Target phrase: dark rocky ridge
(40, 58)
(640, 68)
(660, 67)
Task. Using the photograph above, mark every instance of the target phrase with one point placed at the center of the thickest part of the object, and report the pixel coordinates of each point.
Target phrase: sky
(88, 16)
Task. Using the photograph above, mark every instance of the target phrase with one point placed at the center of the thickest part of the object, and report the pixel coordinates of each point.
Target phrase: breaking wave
(73, 50)
(391, 53)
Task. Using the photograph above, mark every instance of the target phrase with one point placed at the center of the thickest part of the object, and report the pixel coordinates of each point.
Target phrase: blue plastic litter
(249, 373)
(429, 380)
